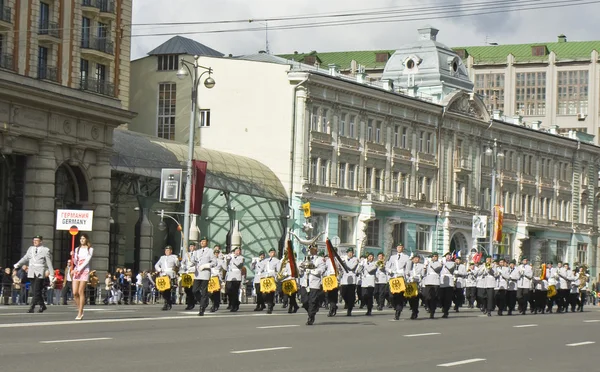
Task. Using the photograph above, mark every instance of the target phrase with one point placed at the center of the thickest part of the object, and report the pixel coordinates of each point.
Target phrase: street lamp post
(493, 151)
(162, 226)
(209, 82)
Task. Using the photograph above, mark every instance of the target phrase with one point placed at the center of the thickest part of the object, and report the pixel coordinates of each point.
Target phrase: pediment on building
(467, 104)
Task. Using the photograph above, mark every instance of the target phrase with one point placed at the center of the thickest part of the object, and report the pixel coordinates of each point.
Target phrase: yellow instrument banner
(187, 280)
(330, 283)
(163, 283)
(306, 209)
(412, 290)
(267, 285)
(214, 285)
(551, 291)
(397, 285)
(289, 287)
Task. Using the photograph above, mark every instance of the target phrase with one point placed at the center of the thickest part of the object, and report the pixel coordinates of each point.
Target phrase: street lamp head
(209, 82)
(162, 226)
(500, 154)
(182, 73)
(489, 151)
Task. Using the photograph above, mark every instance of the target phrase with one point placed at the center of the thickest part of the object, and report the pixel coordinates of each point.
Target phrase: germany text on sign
(65, 218)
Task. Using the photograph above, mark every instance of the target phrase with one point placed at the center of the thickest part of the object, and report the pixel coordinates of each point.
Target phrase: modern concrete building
(64, 87)
(555, 83)
(381, 166)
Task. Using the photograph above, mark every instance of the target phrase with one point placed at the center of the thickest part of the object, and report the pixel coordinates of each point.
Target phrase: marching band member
(166, 266)
(381, 282)
(480, 283)
(431, 281)
(217, 271)
(584, 278)
(502, 275)
(540, 295)
(414, 275)
(574, 282)
(460, 283)
(552, 276)
(203, 260)
(397, 266)
(257, 266)
(369, 269)
(286, 273)
(563, 287)
(311, 271)
(348, 282)
(331, 295)
(471, 284)
(234, 278)
(489, 283)
(270, 271)
(524, 285)
(188, 267)
(446, 289)
(511, 291)
(38, 258)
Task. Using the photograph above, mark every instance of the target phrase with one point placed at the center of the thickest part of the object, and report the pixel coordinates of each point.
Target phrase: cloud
(517, 27)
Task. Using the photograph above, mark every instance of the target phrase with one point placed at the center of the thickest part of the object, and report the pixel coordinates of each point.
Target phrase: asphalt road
(144, 337)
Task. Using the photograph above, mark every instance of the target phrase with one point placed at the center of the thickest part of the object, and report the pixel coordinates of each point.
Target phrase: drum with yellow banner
(163, 283)
(412, 290)
(289, 287)
(397, 285)
(267, 285)
(187, 280)
(551, 291)
(214, 285)
(330, 283)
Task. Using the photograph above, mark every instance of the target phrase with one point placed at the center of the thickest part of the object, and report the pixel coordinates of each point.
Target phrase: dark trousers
(190, 300)
(233, 291)
(582, 298)
(367, 297)
(269, 299)
(459, 297)
(413, 302)
(215, 298)
(490, 303)
(293, 303)
(381, 293)
(430, 295)
(445, 295)
(481, 298)
(563, 299)
(397, 300)
(540, 300)
(167, 296)
(511, 300)
(471, 295)
(573, 301)
(523, 298)
(37, 284)
(349, 295)
(146, 292)
(260, 301)
(67, 289)
(332, 298)
(310, 300)
(200, 290)
(500, 300)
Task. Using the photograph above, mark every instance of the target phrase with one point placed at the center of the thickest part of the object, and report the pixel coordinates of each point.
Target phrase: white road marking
(259, 350)
(592, 321)
(76, 340)
(279, 326)
(422, 334)
(467, 361)
(525, 326)
(582, 343)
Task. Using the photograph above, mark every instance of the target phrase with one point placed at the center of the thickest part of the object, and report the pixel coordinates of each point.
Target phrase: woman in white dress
(81, 272)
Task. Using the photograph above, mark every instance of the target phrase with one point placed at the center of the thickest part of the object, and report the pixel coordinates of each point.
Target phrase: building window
(314, 119)
(84, 69)
(398, 234)
(101, 73)
(44, 17)
(531, 93)
(491, 88)
(505, 248)
(373, 233)
(204, 118)
(396, 182)
(429, 144)
(460, 192)
(378, 131)
(342, 175)
(167, 99)
(324, 179)
(582, 253)
(351, 126)
(378, 179)
(572, 92)
(342, 125)
(313, 170)
(561, 250)
(319, 222)
(370, 130)
(168, 62)
(423, 237)
(346, 229)
(404, 182)
(396, 136)
(86, 26)
(102, 30)
(368, 179)
(42, 63)
(351, 176)
(324, 121)
(404, 138)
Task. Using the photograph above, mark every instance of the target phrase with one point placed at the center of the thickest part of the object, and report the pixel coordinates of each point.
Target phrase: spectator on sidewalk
(48, 291)
(16, 288)
(6, 286)
(67, 289)
(24, 284)
(58, 285)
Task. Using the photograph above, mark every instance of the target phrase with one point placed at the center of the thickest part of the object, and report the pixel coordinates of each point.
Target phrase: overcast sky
(541, 25)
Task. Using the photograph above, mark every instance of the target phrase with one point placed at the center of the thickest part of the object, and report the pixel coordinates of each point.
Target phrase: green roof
(565, 51)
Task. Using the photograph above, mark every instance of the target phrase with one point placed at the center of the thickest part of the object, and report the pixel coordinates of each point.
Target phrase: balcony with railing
(462, 165)
(49, 32)
(320, 137)
(48, 73)
(102, 87)
(5, 18)
(93, 45)
(349, 143)
(98, 6)
(7, 62)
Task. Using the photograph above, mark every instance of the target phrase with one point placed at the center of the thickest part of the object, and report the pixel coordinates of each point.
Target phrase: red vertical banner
(498, 220)
(198, 178)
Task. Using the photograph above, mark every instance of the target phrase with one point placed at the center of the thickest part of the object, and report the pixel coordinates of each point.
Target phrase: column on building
(388, 236)
(101, 183)
(122, 231)
(146, 234)
(38, 196)
(334, 131)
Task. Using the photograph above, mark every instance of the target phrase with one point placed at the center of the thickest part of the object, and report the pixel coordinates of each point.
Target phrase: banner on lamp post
(198, 178)
(479, 227)
(170, 185)
(498, 220)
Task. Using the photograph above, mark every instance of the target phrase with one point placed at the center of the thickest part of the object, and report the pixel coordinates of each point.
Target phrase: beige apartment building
(64, 87)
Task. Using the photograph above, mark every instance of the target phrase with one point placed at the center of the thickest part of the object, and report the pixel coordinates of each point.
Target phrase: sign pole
(73, 231)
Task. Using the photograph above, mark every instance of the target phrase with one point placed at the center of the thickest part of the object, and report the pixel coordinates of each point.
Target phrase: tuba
(283, 262)
(582, 277)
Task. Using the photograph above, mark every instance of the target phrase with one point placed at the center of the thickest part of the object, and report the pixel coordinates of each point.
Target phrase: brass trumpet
(380, 265)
